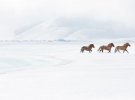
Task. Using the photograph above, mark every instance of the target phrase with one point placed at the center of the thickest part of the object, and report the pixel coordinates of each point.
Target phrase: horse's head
(111, 45)
(93, 45)
(127, 44)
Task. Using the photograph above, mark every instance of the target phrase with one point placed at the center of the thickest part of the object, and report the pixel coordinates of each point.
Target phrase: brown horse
(108, 47)
(124, 48)
(87, 48)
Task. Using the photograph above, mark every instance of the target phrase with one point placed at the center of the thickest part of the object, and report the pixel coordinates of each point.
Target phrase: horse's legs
(102, 50)
(119, 51)
(127, 51)
(90, 51)
(109, 51)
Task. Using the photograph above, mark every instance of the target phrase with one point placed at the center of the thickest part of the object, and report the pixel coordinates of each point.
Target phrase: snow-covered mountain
(72, 29)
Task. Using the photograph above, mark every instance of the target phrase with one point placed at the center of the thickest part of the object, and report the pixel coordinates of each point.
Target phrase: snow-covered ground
(58, 71)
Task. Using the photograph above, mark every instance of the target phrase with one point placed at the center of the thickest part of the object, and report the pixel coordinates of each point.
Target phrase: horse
(104, 47)
(124, 48)
(87, 48)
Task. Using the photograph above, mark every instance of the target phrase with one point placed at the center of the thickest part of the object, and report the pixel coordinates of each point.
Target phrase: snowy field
(58, 71)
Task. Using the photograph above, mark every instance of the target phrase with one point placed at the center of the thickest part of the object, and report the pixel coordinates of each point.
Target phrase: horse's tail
(116, 49)
(99, 49)
(82, 49)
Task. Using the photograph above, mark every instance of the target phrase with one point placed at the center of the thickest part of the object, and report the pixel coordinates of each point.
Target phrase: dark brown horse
(124, 48)
(87, 48)
(104, 47)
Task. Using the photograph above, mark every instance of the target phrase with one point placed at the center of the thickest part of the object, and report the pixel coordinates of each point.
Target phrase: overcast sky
(119, 15)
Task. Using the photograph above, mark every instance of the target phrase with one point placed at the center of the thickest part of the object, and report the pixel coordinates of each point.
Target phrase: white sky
(18, 13)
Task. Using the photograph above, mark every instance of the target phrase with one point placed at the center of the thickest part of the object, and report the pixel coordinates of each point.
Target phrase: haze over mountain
(66, 19)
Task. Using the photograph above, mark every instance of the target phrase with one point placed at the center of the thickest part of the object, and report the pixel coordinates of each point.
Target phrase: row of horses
(107, 47)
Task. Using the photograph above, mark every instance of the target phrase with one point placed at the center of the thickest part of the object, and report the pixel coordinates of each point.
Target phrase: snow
(58, 71)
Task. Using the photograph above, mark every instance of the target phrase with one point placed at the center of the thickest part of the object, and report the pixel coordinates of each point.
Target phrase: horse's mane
(91, 45)
(126, 44)
(110, 44)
